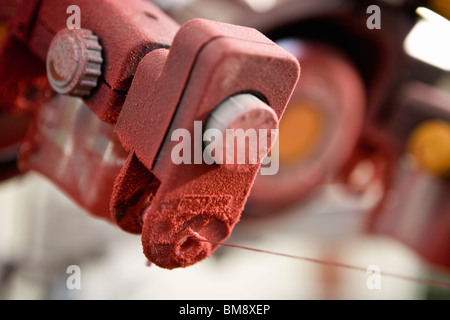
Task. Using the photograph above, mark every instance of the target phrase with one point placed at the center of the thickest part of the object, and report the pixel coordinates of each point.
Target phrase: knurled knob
(74, 62)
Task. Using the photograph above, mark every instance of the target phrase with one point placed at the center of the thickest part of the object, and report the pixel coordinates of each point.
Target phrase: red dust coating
(147, 91)
(208, 63)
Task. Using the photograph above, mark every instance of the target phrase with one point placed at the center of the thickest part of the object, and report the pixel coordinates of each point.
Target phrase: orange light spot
(300, 131)
(429, 143)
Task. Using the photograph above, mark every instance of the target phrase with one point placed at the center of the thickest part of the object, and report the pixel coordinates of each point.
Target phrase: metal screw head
(74, 62)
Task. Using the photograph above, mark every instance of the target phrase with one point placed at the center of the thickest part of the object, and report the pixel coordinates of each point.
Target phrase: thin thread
(440, 284)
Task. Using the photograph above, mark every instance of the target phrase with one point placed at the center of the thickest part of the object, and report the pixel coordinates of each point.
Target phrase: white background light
(429, 40)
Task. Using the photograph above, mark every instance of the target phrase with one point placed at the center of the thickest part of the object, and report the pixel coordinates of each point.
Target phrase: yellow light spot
(429, 143)
(300, 131)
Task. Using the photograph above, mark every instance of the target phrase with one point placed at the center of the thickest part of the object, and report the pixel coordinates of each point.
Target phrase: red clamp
(156, 78)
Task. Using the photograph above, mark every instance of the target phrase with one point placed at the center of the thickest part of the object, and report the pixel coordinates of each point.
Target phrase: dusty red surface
(147, 91)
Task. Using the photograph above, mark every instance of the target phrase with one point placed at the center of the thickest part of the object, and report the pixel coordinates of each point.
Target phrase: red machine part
(128, 31)
(115, 160)
(416, 210)
(24, 85)
(197, 200)
(371, 167)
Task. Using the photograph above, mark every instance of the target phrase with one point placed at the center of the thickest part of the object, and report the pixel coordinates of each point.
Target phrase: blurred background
(364, 151)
